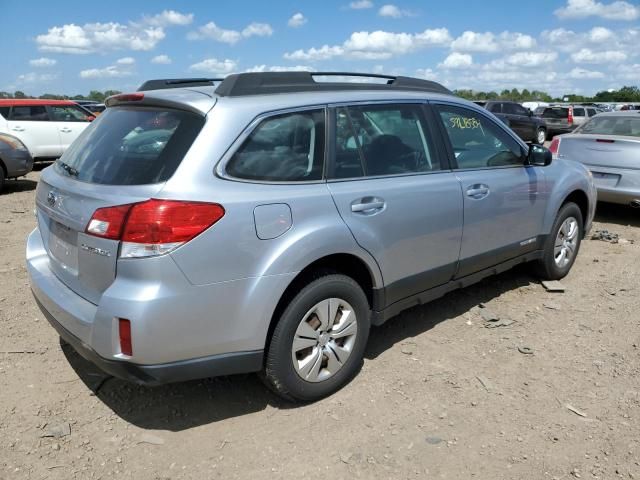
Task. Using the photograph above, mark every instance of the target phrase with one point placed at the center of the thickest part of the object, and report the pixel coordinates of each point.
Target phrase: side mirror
(539, 156)
(530, 113)
(90, 118)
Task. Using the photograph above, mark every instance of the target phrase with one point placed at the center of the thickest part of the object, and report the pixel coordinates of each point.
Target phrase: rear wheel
(563, 244)
(2, 177)
(319, 341)
(541, 136)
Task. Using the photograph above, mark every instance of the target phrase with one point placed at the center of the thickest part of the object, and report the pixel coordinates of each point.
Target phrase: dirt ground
(439, 396)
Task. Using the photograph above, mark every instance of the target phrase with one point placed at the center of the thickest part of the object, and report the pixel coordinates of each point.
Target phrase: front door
(32, 125)
(504, 200)
(70, 120)
(397, 195)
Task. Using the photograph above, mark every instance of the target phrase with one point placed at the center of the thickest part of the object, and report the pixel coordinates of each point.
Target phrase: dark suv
(521, 120)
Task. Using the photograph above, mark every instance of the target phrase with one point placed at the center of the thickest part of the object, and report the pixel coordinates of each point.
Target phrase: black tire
(279, 373)
(2, 177)
(546, 267)
(541, 136)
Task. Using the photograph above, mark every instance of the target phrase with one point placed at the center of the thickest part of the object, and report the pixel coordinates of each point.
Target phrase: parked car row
(520, 119)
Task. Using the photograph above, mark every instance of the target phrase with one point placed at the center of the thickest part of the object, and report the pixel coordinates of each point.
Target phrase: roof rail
(162, 83)
(261, 83)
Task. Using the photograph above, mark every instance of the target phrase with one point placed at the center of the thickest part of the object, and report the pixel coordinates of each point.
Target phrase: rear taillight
(555, 146)
(570, 116)
(153, 227)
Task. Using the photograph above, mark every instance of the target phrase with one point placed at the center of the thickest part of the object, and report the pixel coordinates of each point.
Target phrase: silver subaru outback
(263, 223)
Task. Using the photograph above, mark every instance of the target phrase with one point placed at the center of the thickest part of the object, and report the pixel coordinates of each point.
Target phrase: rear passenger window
(68, 113)
(35, 113)
(578, 112)
(478, 142)
(4, 111)
(385, 139)
(288, 147)
(591, 112)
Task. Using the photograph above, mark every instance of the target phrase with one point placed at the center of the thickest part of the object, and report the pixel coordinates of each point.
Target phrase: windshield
(131, 146)
(612, 125)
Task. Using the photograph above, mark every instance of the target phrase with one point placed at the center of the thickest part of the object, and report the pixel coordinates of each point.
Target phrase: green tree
(19, 94)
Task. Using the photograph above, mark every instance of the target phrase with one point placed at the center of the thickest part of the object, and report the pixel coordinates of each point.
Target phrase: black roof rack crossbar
(261, 83)
(162, 83)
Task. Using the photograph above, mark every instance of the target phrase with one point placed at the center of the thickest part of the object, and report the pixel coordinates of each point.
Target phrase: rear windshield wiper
(69, 169)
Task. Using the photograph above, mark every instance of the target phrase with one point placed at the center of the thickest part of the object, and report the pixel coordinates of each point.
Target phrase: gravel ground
(552, 393)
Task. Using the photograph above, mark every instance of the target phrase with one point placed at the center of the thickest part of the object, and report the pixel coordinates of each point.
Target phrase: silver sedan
(15, 159)
(609, 145)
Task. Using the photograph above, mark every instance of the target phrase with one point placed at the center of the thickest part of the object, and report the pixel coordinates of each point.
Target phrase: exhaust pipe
(635, 203)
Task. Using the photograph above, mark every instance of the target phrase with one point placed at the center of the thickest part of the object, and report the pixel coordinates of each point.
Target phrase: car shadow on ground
(618, 214)
(186, 405)
(20, 185)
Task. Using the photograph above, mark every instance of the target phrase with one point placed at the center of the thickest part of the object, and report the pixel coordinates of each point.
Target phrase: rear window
(555, 113)
(131, 146)
(610, 125)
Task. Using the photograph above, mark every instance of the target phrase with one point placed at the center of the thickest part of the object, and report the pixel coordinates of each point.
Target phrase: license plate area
(63, 245)
(605, 179)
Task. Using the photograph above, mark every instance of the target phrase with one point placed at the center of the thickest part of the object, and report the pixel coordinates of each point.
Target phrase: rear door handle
(478, 191)
(65, 130)
(367, 205)
(18, 129)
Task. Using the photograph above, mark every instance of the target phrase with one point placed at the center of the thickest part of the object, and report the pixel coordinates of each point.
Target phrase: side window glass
(288, 147)
(591, 112)
(519, 110)
(375, 140)
(578, 112)
(478, 142)
(496, 108)
(509, 108)
(35, 113)
(4, 111)
(67, 113)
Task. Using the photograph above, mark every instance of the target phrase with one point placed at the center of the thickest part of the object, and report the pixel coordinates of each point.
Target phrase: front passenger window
(477, 141)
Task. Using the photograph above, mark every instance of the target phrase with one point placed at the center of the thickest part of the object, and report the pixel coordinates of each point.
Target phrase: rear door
(126, 157)
(32, 125)
(393, 187)
(504, 200)
(70, 121)
(579, 115)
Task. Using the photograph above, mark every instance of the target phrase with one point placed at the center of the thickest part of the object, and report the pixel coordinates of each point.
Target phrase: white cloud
(257, 30)
(215, 66)
(212, 31)
(586, 55)
(361, 4)
(42, 62)
(33, 77)
(600, 34)
(516, 41)
(617, 10)
(427, 74)
(581, 73)
(169, 17)
(279, 68)
(393, 11)
(126, 61)
(531, 59)
(112, 71)
(457, 60)
(297, 20)
(375, 45)
(475, 42)
(161, 60)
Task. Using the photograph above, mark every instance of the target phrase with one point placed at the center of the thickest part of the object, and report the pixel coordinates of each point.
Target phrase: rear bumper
(18, 163)
(151, 375)
(617, 195)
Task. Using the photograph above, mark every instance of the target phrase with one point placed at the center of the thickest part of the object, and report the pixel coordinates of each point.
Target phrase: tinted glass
(287, 147)
(4, 111)
(377, 140)
(578, 112)
(496, 108)
(610, 125)
(35, 113)
(509, 108)
(68, 113)
(556, 112)
(131, 146)
(519, 109)
(591, 112)
(478, 142)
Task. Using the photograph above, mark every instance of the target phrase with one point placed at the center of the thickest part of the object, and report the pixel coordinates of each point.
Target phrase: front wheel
(541, 136)
(319, 340)
(562, 245)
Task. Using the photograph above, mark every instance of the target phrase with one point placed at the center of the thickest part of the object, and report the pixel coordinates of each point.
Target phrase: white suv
(45, 127)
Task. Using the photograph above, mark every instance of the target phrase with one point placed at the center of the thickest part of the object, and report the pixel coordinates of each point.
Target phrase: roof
(11, 102)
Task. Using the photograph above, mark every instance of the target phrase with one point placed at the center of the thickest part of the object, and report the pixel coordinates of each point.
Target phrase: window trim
(447, 141)
(76, 107)
(220, 169)
(438, 144)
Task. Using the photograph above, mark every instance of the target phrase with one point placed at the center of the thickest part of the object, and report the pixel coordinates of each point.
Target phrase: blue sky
(560, 46)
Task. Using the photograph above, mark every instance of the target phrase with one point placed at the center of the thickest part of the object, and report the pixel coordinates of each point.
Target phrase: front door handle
(65, 130)
(478, 191)
(18, 129)
(368, 205)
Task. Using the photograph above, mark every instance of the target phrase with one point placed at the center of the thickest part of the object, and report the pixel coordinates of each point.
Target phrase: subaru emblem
(51, 199)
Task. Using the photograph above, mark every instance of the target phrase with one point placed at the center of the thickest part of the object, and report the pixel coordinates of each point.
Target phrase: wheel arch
(580, 198)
